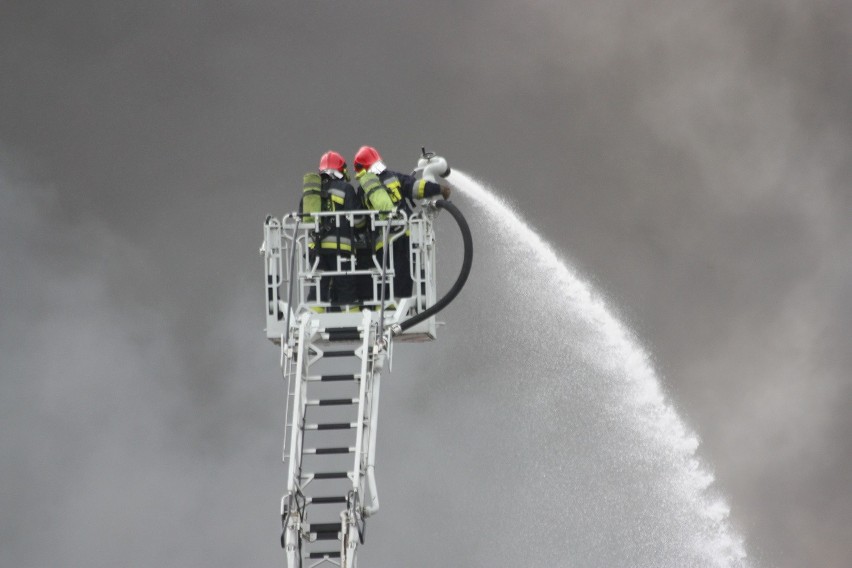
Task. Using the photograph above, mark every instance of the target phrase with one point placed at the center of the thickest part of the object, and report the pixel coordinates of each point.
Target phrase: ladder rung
(328, 378)
(331, 475)
(343, 334)
(332, 426)
(326, 535)
(332, 401)
(320, 451)
(325, 527)
(325, 500)
(344, 353)
(329, 554)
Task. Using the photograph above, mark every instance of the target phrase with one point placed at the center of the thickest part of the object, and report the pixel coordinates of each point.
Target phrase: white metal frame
(282, 236)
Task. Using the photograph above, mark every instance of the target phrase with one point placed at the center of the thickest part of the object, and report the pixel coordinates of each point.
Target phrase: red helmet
(365, 158)
(331, 160)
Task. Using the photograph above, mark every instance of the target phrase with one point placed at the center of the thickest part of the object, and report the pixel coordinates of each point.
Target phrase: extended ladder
(332, 365)
(331, 433)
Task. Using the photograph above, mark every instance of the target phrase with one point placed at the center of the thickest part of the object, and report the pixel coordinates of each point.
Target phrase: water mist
(553, 443)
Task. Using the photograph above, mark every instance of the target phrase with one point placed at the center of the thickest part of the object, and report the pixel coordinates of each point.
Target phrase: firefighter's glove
(445, 191)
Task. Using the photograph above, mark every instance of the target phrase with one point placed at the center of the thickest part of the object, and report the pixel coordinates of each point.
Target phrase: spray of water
(623, 484)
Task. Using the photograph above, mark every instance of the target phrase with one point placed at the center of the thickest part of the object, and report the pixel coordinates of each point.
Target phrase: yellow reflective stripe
(345, 244)
(333, 242)
(337, 199)
(333, 246)
(421, 189)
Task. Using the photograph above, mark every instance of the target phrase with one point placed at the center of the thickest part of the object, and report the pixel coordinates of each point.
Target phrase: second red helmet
(366, 157)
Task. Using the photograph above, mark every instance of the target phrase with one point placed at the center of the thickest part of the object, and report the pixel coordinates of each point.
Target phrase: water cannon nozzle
(431, 167)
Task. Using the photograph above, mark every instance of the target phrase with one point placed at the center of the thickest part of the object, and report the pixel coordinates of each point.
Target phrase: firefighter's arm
(423, 189)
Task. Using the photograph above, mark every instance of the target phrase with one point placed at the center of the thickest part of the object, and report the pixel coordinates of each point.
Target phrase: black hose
(462, 277)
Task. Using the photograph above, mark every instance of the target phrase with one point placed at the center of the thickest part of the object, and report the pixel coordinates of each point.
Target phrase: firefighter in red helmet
(329, 189)
(397, 191)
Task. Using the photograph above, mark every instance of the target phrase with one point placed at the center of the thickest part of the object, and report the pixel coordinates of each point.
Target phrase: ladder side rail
(378, 353)
(299, 399)
(289, 362)
(371, 505)
(369, 336)
(291, 511)
(350, 533)
(287, 373)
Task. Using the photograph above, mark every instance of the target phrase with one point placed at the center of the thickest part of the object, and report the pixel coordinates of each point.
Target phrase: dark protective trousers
(339, 290)
(402, 282)
(401, 261)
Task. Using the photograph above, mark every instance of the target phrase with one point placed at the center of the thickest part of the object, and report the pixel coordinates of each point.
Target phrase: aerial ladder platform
(333, 360)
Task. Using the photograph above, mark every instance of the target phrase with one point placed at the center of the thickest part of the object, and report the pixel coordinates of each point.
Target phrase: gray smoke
(692, 158)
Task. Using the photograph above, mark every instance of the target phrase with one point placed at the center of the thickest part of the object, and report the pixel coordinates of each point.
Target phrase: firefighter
(330, 190)
(371, 195)
(397, 192)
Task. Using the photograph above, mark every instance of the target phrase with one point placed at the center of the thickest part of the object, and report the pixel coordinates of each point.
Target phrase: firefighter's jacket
(389, 191)
(322, 193)
(373, 195)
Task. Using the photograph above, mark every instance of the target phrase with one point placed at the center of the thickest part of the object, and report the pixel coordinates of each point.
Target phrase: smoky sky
(691, 159)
